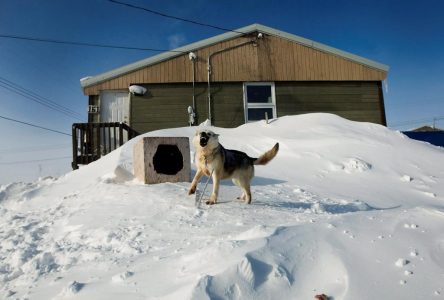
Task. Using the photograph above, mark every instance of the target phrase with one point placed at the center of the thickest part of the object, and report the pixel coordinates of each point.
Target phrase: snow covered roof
(89, 81)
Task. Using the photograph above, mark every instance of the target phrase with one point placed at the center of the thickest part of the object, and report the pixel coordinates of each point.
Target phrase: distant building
(426, 129)
(432, 135)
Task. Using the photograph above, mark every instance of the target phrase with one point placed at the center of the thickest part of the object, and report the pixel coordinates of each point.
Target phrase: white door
(114, 107)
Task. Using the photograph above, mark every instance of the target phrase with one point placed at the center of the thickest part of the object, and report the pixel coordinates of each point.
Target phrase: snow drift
(352, 210)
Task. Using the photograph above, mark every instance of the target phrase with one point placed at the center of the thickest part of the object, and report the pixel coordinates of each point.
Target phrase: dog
(212, 159)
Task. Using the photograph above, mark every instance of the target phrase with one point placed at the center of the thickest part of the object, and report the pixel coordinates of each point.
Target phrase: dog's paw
(241, 197)
(213, 200)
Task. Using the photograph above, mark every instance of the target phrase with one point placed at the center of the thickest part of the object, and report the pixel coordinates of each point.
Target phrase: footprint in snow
(73, 288)
(406, 178)
(74, 195)
(430, 194)
(412, 226)
(401, 262)
(121, 277)
(198, 213)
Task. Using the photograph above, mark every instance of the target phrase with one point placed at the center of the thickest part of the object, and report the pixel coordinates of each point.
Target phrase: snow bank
(352, 210)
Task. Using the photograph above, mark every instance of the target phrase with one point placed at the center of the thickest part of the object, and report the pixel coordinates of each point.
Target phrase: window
(259, 99)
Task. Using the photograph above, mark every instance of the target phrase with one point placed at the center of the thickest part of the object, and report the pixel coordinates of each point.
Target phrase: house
(252, 73)
(237, 77)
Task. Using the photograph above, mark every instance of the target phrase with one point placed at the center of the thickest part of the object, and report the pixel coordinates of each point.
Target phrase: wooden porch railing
(90, 141)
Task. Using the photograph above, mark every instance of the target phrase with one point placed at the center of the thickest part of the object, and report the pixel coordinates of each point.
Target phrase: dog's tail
(267, 156)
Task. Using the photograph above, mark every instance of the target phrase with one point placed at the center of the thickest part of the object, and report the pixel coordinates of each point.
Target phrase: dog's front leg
(197, 177)
(216, 183)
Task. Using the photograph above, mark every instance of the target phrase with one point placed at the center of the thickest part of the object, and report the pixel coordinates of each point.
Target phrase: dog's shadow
(329, 208)
(256, 181)
(261, 181)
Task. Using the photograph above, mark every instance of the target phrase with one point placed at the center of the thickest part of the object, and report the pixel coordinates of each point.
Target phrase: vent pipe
(209, 67)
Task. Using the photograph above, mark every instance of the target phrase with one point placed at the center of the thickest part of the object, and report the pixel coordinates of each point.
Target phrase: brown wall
(271, 59)
(165, 105)
(358, 101)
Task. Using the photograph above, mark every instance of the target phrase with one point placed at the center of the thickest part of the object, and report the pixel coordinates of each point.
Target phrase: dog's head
(206, 139)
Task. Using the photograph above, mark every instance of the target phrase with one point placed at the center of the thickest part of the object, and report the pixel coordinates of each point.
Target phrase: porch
(90, 141)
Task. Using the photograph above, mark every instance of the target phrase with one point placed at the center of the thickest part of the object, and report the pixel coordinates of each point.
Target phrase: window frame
(271, 105)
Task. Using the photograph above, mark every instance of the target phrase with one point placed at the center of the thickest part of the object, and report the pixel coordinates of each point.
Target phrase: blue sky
(406, 35)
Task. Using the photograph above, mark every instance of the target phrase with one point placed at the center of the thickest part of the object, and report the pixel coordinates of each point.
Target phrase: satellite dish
(137, 90)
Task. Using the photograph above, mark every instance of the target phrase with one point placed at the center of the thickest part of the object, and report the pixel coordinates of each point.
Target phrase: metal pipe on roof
(254, 40)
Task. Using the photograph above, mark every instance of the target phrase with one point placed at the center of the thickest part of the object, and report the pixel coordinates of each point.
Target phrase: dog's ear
(197, 132)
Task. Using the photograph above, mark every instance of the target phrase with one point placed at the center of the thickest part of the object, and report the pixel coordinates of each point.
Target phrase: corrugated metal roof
(89, 81)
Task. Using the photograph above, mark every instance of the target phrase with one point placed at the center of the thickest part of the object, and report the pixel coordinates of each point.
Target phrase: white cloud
(176, 40)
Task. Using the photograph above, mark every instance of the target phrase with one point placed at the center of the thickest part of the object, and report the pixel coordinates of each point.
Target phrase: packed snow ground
(352, 210)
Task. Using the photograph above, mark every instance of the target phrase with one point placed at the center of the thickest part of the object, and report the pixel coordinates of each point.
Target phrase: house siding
(271, 59)
(357, 101)
(165, 105)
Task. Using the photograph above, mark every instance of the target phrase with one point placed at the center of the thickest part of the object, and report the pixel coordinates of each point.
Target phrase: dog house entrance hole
(168, 160)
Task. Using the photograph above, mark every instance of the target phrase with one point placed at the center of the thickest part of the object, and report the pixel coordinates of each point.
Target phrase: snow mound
(256, 232)
(20, 191)
(331, 214)
(351, 165)
(278, 268)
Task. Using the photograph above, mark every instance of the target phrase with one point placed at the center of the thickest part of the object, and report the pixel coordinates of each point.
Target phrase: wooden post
(121, 135)
(74, 163)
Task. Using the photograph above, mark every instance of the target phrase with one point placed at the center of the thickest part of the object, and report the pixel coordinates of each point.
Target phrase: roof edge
(323, 47)
(90, 81)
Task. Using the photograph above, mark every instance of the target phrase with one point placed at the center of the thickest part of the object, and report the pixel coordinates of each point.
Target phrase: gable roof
(89, 81)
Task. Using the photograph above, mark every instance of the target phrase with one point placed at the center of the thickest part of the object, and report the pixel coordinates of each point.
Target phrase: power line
(35, 95)
(31, 161)
(64, 42)
(173, 17)
(33, 125)
(27, 97)
(39, 99)
(417, 121)
(25, 149)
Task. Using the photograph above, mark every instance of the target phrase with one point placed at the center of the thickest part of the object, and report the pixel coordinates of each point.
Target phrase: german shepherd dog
(212, 159)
